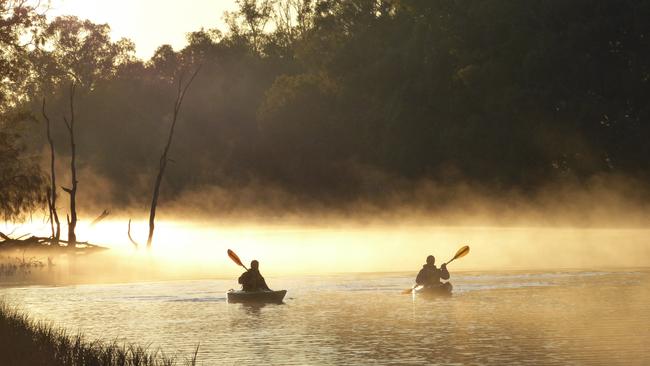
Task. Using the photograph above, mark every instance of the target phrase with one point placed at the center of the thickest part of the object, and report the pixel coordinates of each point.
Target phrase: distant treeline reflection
(338, 101)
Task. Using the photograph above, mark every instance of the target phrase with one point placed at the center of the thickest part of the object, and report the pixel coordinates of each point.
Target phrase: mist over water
(197, 249)
(530, 295)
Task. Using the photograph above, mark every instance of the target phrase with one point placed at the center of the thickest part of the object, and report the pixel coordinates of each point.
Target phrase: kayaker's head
(255, 264)
(431, 260)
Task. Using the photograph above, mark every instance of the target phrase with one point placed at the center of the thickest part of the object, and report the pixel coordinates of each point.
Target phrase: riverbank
(24, 341)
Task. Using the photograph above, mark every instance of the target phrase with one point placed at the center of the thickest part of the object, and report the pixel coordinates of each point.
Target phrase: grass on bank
(24, 341)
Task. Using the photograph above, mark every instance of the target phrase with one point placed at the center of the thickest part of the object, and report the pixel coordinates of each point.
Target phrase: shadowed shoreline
(24, 341)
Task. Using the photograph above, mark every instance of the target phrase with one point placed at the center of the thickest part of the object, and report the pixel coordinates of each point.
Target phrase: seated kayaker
(430, 275)
(252, 279)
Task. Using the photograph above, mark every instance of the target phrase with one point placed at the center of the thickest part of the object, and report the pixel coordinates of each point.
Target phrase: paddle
(459, 254)
(236, 259)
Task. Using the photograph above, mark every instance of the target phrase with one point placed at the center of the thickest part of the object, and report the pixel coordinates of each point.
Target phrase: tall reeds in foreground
(24, 341)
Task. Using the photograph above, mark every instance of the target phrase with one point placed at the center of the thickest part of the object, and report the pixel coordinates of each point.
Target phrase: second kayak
(259, 297)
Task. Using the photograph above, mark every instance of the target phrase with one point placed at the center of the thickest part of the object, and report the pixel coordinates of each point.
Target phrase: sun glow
(192, 249)
(149, 23)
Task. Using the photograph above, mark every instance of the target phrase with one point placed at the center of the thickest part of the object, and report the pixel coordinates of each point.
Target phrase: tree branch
(100, 217)
(135, 243)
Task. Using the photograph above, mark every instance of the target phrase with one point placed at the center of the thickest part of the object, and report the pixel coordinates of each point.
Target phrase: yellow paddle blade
(235, 258)
(461, 252)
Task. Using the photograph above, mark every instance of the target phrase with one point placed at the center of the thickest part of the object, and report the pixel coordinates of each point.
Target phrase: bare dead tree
(51, 192)
(72, 191)
(180, 95)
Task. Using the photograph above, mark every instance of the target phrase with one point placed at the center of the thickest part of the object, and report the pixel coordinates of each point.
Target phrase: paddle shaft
(459, 254)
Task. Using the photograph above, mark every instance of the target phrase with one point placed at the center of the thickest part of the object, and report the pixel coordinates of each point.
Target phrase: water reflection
(493, 318)
(255, 308)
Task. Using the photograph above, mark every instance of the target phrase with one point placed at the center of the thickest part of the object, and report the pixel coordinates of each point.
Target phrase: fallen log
(46, 243)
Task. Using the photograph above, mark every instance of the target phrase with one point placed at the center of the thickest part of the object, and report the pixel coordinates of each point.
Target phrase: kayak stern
(256, 297)
(443, 290)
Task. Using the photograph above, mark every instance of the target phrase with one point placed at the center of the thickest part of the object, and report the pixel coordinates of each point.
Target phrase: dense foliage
(21, 183)
(337, 100)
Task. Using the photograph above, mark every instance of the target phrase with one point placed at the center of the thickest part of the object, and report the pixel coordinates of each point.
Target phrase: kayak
(435, 291)
(259, 297)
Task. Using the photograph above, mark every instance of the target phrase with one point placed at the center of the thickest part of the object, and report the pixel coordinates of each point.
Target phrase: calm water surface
(551, 318)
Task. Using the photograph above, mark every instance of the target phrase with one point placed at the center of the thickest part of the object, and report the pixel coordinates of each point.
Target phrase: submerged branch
(100, 217)
(135, 243)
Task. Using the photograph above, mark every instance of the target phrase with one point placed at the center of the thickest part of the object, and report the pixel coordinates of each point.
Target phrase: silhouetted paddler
(430, 275)
(252, 279)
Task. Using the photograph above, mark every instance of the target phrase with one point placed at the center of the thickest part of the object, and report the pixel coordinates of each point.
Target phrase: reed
(24, 341)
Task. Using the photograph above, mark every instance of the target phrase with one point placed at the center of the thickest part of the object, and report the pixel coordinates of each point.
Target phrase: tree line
(336, 101)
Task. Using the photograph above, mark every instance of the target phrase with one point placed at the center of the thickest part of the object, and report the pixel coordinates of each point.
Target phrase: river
(493, 318)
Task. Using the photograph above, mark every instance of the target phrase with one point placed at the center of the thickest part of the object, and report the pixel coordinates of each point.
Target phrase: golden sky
(149, 23)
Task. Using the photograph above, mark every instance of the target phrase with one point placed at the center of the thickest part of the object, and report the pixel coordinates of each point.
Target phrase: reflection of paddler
(252, 279)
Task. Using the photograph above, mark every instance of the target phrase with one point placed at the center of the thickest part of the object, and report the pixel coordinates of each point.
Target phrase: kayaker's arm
(421, 278)
(444, 274)
(243, 278)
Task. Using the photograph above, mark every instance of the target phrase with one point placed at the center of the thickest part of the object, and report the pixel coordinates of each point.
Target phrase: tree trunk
(72, 191)
(51, 195)
(163, 158)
